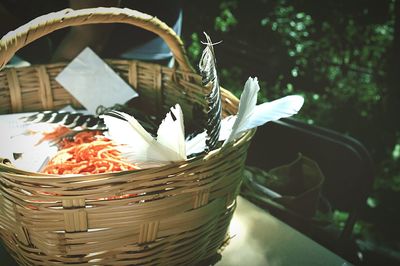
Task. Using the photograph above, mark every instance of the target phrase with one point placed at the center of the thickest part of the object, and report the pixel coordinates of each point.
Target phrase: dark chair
(345, 163)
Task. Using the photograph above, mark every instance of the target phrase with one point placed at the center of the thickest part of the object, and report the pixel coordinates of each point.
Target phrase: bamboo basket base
(194, 247)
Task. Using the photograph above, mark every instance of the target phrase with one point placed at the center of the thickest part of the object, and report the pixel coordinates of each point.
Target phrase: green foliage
(226, 20)
(194, 49)
(338, 63)
(348, 63)
(335, 55)
(340, 218)
(372, 202)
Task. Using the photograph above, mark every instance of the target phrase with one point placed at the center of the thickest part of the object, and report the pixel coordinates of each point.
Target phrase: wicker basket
(181, 211)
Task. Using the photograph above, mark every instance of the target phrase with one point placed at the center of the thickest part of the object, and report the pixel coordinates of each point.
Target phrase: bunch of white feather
(138, 146)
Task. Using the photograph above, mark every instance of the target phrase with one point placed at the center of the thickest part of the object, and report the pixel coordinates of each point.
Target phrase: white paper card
(93, 83)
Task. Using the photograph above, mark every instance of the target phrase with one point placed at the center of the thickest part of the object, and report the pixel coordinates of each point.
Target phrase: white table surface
(261, 239)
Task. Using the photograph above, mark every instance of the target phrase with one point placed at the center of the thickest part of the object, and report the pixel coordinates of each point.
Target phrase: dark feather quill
(208, 71)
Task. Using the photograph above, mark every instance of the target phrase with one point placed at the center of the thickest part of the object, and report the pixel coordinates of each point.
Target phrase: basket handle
(15, 40)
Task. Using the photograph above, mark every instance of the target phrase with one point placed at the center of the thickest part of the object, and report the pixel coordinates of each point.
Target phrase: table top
(261, 239)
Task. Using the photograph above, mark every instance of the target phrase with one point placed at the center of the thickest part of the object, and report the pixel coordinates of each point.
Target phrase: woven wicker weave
(181, 211)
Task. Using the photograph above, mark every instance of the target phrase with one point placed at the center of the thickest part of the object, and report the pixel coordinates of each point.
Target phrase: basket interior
(34, 88)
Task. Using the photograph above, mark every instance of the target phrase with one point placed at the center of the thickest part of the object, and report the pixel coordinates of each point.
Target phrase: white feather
(196, 144)
(171, 133)
(129, 132)
(251, 115)
(248, 101)
(139, 146)
(226, 127)
(270, 111)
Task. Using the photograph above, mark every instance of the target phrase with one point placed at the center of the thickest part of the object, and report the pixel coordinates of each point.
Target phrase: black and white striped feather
(208, 71)
(71, 120)
(79, 121)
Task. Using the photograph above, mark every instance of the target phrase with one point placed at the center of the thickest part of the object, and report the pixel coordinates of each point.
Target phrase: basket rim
(9, 169)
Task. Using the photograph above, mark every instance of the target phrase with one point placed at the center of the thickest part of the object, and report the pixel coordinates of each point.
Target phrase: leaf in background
(208, 71)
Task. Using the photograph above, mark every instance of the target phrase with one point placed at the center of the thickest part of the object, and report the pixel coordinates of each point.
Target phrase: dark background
(343, 57)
